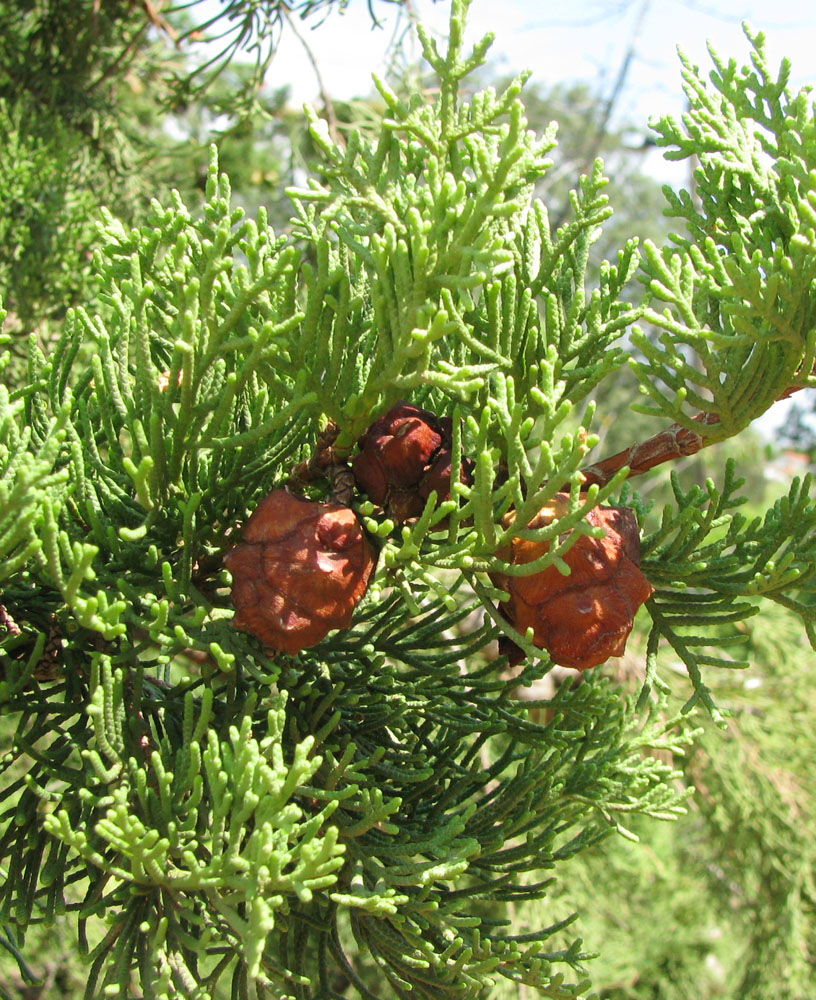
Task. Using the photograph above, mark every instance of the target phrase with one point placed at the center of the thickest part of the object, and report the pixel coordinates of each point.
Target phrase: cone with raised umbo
(301, 571)
(403, 457)
(584, 618)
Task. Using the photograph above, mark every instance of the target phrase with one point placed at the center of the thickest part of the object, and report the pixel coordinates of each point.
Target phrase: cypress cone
(403, 457)
(586, 617)
(302, 569)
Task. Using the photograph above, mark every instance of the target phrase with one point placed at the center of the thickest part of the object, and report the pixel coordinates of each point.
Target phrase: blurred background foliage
(113, 103)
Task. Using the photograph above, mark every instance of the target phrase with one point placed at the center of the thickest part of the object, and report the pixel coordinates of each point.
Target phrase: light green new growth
(187, 839)
(215, 818)
(738, 323)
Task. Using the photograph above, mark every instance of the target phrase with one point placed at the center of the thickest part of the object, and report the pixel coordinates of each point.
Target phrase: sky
(582, 40)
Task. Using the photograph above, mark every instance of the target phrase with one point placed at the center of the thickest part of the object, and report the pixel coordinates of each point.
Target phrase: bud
(586, 617)
(403, 457)
(303, 568)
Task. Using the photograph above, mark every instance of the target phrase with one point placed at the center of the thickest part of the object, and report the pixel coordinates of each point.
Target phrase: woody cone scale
(302, 569)
(586, 617)
(403, 457)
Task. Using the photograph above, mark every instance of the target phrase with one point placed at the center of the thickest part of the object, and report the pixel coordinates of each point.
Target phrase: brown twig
(8, 623)
(321, 459)
(675, 442)
(155, 17)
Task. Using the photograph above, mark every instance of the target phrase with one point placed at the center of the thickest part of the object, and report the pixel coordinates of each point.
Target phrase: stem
(665, 446)
(675, 442)
(7, 622)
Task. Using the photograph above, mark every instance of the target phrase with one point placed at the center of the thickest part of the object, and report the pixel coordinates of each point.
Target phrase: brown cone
(403, 457)
(303, 568)
(586, 617)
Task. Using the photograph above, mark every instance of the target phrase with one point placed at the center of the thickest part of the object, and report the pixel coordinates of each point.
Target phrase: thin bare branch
(673, 443)
(328, 104)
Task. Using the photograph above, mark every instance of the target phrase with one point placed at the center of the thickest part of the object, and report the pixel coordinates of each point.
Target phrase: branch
(598, 136)
(617, 88)
(675, 442)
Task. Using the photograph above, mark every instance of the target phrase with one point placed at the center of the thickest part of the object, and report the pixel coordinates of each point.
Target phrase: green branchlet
(188, 835)
(736, 329)
(712, 567)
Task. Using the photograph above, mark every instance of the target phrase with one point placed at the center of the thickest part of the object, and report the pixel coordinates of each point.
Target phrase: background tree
(121, 108)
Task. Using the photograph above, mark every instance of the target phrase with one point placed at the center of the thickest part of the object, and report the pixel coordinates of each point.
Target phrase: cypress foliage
(373, 811)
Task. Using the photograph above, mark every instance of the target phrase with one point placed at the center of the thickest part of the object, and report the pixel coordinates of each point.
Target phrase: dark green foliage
(241, 27)
(712, 561)
(719, 904)
(66, 150)
(147, 457)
